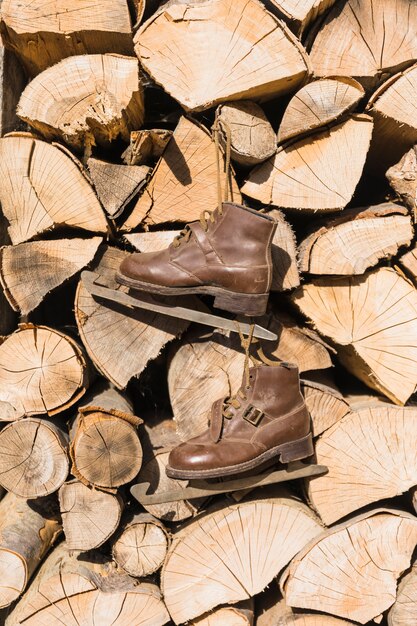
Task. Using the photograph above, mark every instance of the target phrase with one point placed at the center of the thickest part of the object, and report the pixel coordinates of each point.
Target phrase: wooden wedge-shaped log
(403, 611)
(215, 368)
(141, 546)
(33, 457)
(132, 338)
(42, 371)
(85, 100)
(372, 321)
(408, 263)
(89, 590)
(207, 53)
(43, 188)
(105, 447)
(351, 570)
(366, 40)
(184, 182)
(310, 174)
(402, 177)
(146, 146)
(324, 401)
(26, 534)
(299, 15)
(221, 558)
(42, 32)
(355, 241)
(370, 456)
(319, 104)
(89, 516)
(29, 271)
(240, 614)
(272, 610)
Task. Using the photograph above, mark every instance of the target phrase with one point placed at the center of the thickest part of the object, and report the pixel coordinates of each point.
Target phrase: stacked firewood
(106, 147)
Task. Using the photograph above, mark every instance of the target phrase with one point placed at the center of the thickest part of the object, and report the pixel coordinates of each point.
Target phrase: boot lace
(208, 216)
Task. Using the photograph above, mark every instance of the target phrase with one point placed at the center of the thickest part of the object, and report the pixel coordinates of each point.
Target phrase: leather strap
(216, 420)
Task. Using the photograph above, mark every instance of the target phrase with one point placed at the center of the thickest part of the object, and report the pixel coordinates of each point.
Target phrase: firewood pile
(106, 148)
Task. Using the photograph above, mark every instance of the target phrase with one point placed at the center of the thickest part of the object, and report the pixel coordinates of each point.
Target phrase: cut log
(119, 341)
(203, 54)
(351, 570)
(43, 188)
(143, 9)
(273, 611)
(29, 271)
(403, 612)
(89, 590)
(403, 179)
(85, 100)
(311, 173)
(8, 317)
(319, 104)
(298, 14)
(372, 321)
(233, 553)
(12, 83)
(408, 263)
(116, 185)
(33, 457)
(370, 454)
(152, 241)
(41, 371)
(27, 531)
(252, 138)
(366, 40)
(146, 146)
(89, 516)
(325, 403)
(357, 240)
(214, 368)
(240, 614)
(184, 182)
(42, 33)
(105, 447)
(141, 547)
(285, 273)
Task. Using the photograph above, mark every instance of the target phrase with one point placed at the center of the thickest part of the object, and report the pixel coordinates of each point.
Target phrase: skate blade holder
(96, 286)
(205, 489)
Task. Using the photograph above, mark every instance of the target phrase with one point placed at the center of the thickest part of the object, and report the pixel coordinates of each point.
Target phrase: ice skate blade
(205, 489)
(91, 280)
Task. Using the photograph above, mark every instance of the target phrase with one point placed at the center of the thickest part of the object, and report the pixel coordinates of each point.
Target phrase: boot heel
(297, 450)
(246, 304)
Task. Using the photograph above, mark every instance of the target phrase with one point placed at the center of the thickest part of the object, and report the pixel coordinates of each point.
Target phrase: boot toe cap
(189, 456)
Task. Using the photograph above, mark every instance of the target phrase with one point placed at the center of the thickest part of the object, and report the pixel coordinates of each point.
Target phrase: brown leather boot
(227, 254)
(267, 419)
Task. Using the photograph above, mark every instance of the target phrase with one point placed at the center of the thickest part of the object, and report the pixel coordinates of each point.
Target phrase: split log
(351, 570)
(355, 241)
(41, 371)
(370, 454)
(403, 611)
(184, 182)
(285, 273)
(214, 365)
(141, 547)
(120, 341)
(146, 146)
(311, 174)
(371, 319)
(252, 138)
(85, 100)
(42, 33)
(272, 611)
(366, 40)
(43, 188)
(143, 9)
(240, 614)
(89, 517)
(72, 590)
(27, 531)
(105, 447)
(251, 53)
(408, 263)
(29, 271)
(12, 83)
(319, 104)
(116, 185)
(152, 241)
(8, 317)
(231, 554)
(33, 457)
(299, 15)
(403, 179)
(325, 403)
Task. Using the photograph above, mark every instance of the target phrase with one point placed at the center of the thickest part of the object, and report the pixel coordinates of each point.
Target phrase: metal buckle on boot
(253, 415)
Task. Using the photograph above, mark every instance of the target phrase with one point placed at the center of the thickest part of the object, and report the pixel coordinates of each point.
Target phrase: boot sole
(287, 452)
(246, 304)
